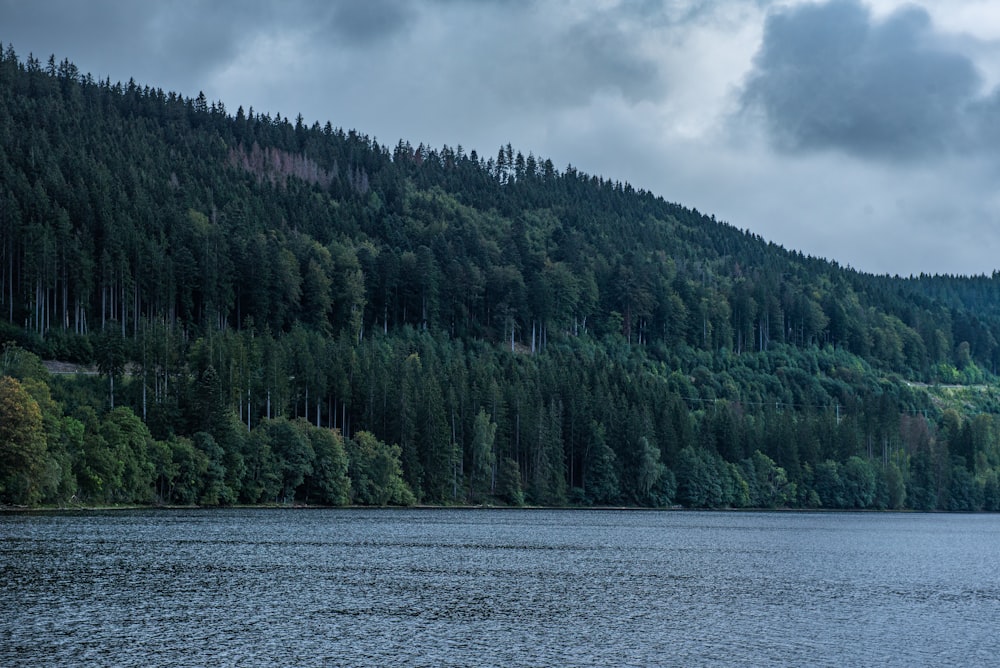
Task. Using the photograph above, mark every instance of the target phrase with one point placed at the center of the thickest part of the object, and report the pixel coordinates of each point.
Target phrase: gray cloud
(829, 76)
(169, 45)
(365, 23)
(540, 56)
(601, 55)
(47, 27)
(985, 121)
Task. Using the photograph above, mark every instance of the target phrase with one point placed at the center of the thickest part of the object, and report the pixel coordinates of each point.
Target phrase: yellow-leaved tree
(22, 444)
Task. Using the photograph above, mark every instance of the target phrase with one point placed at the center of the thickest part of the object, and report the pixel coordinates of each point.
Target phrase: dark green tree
(111, 357)
(483, 455)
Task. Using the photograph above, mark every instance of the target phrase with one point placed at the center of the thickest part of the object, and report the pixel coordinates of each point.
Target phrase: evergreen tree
(483, 458)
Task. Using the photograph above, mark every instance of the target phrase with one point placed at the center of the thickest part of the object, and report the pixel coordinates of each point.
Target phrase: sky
(862, 131)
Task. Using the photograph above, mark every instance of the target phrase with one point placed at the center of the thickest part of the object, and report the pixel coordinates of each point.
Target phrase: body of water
(498, 588)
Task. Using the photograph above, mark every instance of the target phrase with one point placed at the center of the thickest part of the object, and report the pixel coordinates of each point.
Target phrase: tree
(647, 472)
(991, 491)
(859, 483)
(965, 493)
(548, 479)
(829, 485)
(483, 457)
(212, 414)
(111, 359)
(921, 488)
(768, 484)
(601, 476)
(215, 491)
(190, 466)
(263, 480)
(698, 484)
(328, 482)
(98, 472)
(434, 438)
(128, 439)
(411, 373)
(60, 481)
(293, 451)
(896, 486)
(509, 487)
(22, 444)
(377, 473)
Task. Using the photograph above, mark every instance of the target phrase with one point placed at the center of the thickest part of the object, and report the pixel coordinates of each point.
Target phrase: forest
(200, 307)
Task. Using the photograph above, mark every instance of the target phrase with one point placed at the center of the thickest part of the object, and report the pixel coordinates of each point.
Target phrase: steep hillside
(475, 328)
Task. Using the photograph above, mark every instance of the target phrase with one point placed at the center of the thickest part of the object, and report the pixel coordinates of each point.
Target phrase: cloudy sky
(864, 131)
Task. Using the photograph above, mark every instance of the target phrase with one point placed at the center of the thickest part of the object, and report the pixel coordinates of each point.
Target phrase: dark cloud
(829, 76)
(170, 45)
(62, 26)
(363, 23)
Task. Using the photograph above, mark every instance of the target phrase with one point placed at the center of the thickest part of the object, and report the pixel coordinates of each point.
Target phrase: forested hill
(285, 312)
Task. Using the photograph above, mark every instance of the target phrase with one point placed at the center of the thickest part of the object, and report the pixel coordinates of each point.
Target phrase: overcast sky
(867, 132)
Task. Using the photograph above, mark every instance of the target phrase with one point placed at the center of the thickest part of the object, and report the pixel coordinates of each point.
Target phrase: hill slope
(475, 328)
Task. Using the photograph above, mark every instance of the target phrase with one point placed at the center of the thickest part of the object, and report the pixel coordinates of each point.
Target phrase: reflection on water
(497, 588)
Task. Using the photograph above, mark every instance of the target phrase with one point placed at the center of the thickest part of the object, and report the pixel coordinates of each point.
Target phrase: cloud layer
(831, 77)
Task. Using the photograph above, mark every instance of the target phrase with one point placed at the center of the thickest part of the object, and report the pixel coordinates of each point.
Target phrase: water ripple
(497, 588)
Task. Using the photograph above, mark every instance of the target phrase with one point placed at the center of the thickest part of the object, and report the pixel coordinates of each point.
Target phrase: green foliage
(922, 488)
(767, 484)
(215, 491)
(287, 314)
(20, 363)
(22, 444)
(483, 457)
(328, 483)
(111, 359)
(509, 488)
(292, 451)
(896, 487)
(262, 482)
(647, 473)
(191, 468)
(859, 481)
(601, 485)
(131, 473)
(376, 472)
(699, 479)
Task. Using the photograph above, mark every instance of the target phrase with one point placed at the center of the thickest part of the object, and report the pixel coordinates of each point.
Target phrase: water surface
(498, 588)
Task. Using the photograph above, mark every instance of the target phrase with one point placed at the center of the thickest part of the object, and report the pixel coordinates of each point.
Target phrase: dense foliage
(279, 312)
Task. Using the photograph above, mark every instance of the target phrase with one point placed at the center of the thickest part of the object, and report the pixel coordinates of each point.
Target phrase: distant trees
(555, 437)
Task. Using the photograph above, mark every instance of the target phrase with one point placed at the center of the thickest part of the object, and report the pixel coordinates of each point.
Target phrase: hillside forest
(200, 306)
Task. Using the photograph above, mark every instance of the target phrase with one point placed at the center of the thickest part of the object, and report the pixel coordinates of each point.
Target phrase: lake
(498, 588)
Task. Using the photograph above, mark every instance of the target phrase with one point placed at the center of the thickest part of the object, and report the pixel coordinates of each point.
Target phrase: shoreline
(24, 510)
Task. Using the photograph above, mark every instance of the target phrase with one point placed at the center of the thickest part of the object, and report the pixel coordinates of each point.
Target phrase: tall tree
(483, 457)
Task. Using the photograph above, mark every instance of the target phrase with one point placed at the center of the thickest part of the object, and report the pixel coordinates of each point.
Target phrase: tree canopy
(282, 312)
